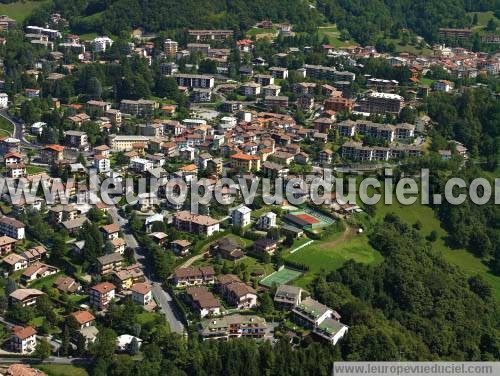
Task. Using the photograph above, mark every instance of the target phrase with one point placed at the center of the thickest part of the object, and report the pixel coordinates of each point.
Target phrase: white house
(101, 44)
(443, 85)
(124, 342)
(141, 164)
(142, 293)
(102, 163)
(241, 216)
(4, 100)
(267, 221)
(37, 128)
(23, 340)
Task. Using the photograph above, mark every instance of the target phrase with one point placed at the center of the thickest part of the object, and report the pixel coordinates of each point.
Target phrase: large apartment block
(381, 103)
(138, 107)
(195, 80)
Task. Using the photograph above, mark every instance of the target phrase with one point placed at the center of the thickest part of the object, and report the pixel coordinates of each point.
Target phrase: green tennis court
(280, 277)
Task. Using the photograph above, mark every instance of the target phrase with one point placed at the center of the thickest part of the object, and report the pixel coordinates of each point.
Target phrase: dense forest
(363, 20)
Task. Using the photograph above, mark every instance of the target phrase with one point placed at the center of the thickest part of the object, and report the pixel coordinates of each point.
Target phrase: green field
(409, 48)
(62, 370)
(20, 10)
(6, 128)
(464, 260)
(330, 254)
(333, 35)
(258, 31)
(482, 19)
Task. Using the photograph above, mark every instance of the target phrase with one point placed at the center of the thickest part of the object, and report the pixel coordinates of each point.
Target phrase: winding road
(18, 130)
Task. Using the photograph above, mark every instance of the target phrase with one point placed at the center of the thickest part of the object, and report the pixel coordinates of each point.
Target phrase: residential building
(192, 276)
(210, 34)
(84, 319)
(109, 263)
(67, 285)
(111, 231)
(203, 301)
(25, 297)
(287, 297)
(23, 340)
(310, 313)
(251, 89)
(101, 295)
(180, 247)
(142, 293)
(241, 216)
(4, 98)
(195, 80)
(52, 154)
(196, 223)
(267, 221)
(101, 44)
(170, 47)
(381, 103)
(12, 227)
(265, 246)
(126, 142)
(279, 72)
(443, 85)
(76, 139)
(338, 104)
(240, 295)
(138, 107)
(276, 102)
(15, 262)
(245, 162)
(36, 271)
(227, 248)
(7, 245)
(233, 326)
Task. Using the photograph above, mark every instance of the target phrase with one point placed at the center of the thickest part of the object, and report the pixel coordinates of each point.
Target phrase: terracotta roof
(141, 288)
(4, 240)
(54, 147)
(244, 157)
(24, 333)
(111, 228)
(104, 287)
(83, 317)
(12, 222)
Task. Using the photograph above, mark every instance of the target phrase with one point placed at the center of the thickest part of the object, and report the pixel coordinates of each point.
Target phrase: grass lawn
(332, 253)
(463, 259)
(333, 35)
(32, 170)
(62, 370)
(482, 19)
(6, 127)
(88, 36)
(20, 10)
(146, 317)
(409, 48)
(259, 31)
(45, 282)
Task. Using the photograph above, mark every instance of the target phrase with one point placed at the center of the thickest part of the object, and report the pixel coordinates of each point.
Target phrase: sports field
(309, 218)
(280, 277)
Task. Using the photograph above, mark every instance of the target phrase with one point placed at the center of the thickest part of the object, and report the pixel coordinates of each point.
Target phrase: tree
(94, 88)
(42, 349)
(266, 304)
(491, 26)
(475, 19)
(208, 66)
(134, 346)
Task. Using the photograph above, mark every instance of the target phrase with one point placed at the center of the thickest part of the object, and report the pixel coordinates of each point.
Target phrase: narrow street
(161, 296)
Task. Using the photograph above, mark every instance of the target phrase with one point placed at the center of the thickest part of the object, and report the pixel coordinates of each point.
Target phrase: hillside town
(212, 105)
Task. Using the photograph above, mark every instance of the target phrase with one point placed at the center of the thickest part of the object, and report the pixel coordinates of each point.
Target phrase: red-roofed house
(23, 340)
